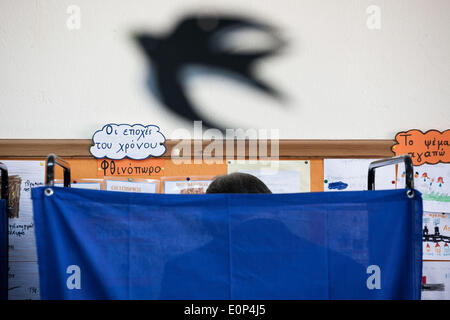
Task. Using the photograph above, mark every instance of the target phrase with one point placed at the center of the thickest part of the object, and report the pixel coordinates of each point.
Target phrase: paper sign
(126, 186)
(186, 187)
(119, 141)
(127, 167)
(430, 147)
(83, 185)
(284, 176)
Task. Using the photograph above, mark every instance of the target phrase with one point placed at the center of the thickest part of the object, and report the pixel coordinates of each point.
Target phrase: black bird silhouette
(196, 41)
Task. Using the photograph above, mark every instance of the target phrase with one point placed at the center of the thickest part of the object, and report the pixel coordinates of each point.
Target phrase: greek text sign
(430, 147)
(119, 141)
(130, 168)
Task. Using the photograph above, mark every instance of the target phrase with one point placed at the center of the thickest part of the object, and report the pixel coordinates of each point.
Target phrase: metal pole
(53, 160)
(409, 168)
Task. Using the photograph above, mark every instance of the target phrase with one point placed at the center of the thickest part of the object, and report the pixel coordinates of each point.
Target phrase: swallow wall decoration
(195, 41)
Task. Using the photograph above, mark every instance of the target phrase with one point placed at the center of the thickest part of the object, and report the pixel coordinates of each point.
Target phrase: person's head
(237, 182)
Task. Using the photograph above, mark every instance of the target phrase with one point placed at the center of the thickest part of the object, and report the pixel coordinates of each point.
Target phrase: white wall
(344, 81)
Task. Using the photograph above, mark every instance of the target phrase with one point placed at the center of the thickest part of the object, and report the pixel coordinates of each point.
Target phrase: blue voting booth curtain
(3, 250)
(329, 245)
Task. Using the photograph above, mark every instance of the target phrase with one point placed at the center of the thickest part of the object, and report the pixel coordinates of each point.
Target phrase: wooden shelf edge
(288, 148)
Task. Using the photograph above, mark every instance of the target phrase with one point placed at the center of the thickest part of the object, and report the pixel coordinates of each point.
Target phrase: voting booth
(142, 106)
(114, 245)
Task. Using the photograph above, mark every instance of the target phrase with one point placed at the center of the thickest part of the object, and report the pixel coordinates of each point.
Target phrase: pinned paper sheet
(436, 236)
(436, 280)
(85, 184)
(21, 229)
(23, 274)
(433, 181)
(23, 280)
(132, 186)
(352, 175)
(283, 176)
(189, 185)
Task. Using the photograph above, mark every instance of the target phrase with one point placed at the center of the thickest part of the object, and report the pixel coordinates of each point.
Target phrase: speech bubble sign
(119, 141)
(430, 147)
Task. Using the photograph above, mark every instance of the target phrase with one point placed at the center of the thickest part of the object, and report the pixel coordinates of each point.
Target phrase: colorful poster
(435, 280)
(186, 187)
(284, 176)
(436, 236)
(433, 181)
(352, 175)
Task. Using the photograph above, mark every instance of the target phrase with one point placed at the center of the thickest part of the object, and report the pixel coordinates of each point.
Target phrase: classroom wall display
(25, 279)
(23, 271)
(429, 147)
(436, 236)
(352, 175)
(435, 280)
(185, 185)
(283, 176)
(132, 185)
